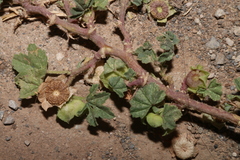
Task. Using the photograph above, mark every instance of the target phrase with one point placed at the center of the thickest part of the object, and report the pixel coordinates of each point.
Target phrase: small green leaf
(115, 68)
(237, 83)
(170, 115)
(118, 86)
(114, 65)
(97, 99)
(214, 90)
(94, 106)
(154, 120)
(82, 6)
(145, 53)
(144, 99)
(100, 5)
(70, 109)
(137, 2)
(166, 56)
(232, 97)
(31, 69)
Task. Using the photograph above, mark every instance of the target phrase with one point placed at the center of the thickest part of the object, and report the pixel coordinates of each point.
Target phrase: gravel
(220, 59)
(213, 43)
(13, 105)
(229, 42)
(219, 14)
(236, 31)
(9, 120)
(1, 115)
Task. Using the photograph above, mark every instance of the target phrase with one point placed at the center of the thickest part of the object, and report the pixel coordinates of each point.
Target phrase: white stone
(12, 104)
(9, 120)
(189, 4)
(219, 13)
(229, 42)
(236, 31)
(1, 115)
(213, 43)
(59, 56)
(237, 59)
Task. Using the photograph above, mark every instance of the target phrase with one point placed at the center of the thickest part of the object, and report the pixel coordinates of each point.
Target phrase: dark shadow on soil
(102, 126)
(28, 103)
(120, 103)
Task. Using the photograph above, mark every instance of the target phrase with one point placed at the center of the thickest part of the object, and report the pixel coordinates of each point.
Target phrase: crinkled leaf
(100, 4)
(118, 85)
(97, 99)
(82, 6)
(237, 83)
(137, 2)
(70, 109)
(94, 107)
(115, 68)
(168, 41)
(170, 115)
(130, 74)
(145, 53)
(214, 91)
(114, 65)
(31, 68)
(144, 99)
(166, 56)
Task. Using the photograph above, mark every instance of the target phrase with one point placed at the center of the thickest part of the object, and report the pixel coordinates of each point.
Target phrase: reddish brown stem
(181, 98)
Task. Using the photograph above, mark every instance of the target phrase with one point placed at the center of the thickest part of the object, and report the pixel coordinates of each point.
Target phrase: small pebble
(237, 59)
(59, 56)
(236, 31)
(197, 21)
(219, 14)
(8, 138)
(12, 104)
(189, 4)
(213, 57)
(211, 76)
(238, 7)
(9, 120)
(234, 154)
(213, 43)
(1, 115)
(220, 59)
(27, 143)
(229, 42)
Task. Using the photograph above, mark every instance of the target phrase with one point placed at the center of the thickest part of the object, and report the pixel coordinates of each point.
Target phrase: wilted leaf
(70, 109)
(214, 91)
(170, 115)
(144, 99)
(118, 86)
(31, 69)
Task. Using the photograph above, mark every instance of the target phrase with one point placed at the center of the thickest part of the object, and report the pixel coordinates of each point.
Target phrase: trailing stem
(126, 55)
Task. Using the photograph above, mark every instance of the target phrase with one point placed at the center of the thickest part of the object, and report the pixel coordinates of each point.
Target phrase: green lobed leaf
(118, 86)
(170, 115)
(168, 41)
(232, 97)
(94, 106)
(214, 91)
(115, 68)
(70, 109)
(145, 53)
(144, 99)
(97, 99)
(31, 69)
(82, 6)
(237, 83)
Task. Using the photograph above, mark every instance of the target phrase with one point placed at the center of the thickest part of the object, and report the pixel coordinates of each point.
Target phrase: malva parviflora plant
(150, 98)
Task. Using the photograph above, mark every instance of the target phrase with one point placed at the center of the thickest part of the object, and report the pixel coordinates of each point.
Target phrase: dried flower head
(54, 92)
(159, 9)
(183, 146)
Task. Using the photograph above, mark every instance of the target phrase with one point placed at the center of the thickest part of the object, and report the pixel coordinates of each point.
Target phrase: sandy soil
(37, 134)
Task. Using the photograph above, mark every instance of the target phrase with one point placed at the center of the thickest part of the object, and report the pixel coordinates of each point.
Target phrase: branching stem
(181, 98)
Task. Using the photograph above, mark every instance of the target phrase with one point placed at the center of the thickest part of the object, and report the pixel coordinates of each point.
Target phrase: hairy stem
(181, 98)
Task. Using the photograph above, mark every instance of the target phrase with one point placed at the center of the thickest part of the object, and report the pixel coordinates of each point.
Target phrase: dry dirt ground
(38, 135)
